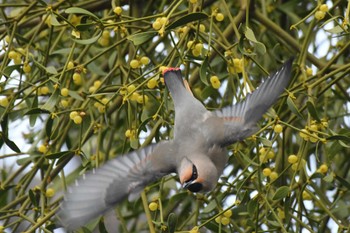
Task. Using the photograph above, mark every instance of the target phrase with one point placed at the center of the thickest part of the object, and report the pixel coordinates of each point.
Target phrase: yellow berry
(219, 17)
(306, 195)
(320, 15)
(190, 44)
(44, 90)
(278, 128)
(273, 176)
(314, 127)
(77, 78)
(202, 27)
(4, 102)
(267, 172)
(198, 46)
(270, 154)
(134, 96)
(42, 149)
(105, 101)
(156, 25)
(281, 213)
(228, 213)
(13, 54)
(17, 60)
(324, 8)
(7, 39)
(152, 83)
(144, 60)
(134, 64)
(299, 165)
(131, 88)
(128, 133)
(225, 220)
(323, 168)
(162, 68)
(194, 230)
(73, 114)
(97, 83)
(70, 65)
(193, 1)
(196, 52)
(50, 192)
(64, 91)
(309, 71)
(77, 120)
(218, 219)
(26, 67)
(153, 206)
(101, 109)
(92, 89)
(215, 82)
(118, 10)
(262, 151)
(292, 159)
(64, 103)
(313, 138)
(303, 134)
(142, 99)
(163, 20)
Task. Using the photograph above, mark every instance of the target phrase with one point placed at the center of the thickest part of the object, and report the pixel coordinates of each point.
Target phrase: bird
(197, 152)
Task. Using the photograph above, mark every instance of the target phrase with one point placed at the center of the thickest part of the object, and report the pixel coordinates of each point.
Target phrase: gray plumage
(197, 153)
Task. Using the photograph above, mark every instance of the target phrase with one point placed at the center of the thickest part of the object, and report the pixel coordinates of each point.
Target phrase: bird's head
(198, 175)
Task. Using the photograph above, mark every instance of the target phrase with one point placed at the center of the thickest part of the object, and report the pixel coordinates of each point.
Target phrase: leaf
(203, 71)
(59, 154)
(33, 198)
(37, 111)
(90, 40)
(85, 26)
(75, 95)
(249, 34)
(312, 110)
(24, 160)
(172, 221)
(187, 19)
(281, 193)
(78, 10)
(252, 207)
(52, 101)
(265, 142)
(51, 70)
(54, 21)
(141, 37)
(339, 137)
(293, 108)
(9, 69)
(10, 143)
(48, 127)
(343, 181)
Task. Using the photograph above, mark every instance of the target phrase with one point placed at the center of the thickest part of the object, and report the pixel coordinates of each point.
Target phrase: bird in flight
(197, 153)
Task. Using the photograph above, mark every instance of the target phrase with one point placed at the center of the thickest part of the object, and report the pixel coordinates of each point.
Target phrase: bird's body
(197, 153)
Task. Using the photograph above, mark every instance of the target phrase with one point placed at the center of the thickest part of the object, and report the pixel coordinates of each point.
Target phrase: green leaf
(252, 207)
(37, 111)
(203, 71)
(141, 37)
(249, 34)
(10, 143)
(187, 19)
(48, 127)
(343, 181)
(312, 110)
(33, 198)
(172, 221)
(90, 40)
(85, 26)
(24, 160)
(75, 95)
(293, 108)
(51, 70)
(9, 69)
(59, 154)
(281, 193)
(77, 10)
(52, 101)
(54, 21)
(265, 142)
(339, 137)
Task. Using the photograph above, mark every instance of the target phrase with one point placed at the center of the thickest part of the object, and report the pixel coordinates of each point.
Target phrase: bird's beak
(194, 186)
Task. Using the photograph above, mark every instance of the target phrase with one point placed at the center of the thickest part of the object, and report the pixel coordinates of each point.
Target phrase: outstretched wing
(97, 192)
(240, 119)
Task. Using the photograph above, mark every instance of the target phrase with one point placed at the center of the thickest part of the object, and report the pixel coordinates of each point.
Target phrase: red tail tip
(170, 69)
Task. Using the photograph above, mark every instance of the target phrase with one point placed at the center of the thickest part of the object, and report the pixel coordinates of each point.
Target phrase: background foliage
(80, 81)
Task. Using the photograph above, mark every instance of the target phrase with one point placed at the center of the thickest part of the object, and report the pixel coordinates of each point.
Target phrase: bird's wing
(240, 119)
(98, 191)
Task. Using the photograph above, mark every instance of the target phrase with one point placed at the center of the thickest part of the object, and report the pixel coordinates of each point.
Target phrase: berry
(196, 52)
(202, 27)
(131, 88)
(134, 64)
(219, 17)
(104, 101)
(13, 54)
(153, 206)
(194, 230)
(190, 44)
(118, 10)
(97, 83)
(64, 91)
(50, 192)
(278, 128)
(303, 134)
(73, 114)
(270, 154)
(324, 8)
(64, 103)
(273, 176)
(152, 83)
(292, 159)
(267, 172)
(198, 46)
(225, 220)
(134, 96)
(128, 133)
(42, 149)
(26, 68)
(44, 90)
(323, 168)
(228, 213)
(92, 89)
(156, 25)
(193, 1)
(320, 15)
(144, 60)
(309, 71)
(218, 219)
(70, 65)
(215, 82)
(77, 120)
(306, 195)
(77, 78)
(4, 102)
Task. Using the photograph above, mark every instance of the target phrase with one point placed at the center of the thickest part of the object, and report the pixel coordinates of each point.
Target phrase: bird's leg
(187, 86)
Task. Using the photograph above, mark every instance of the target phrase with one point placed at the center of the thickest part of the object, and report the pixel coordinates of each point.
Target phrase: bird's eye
(194, 173)
(195, 187)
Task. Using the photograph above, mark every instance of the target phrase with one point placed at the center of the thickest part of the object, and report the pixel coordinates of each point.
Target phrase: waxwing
(197, 153)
